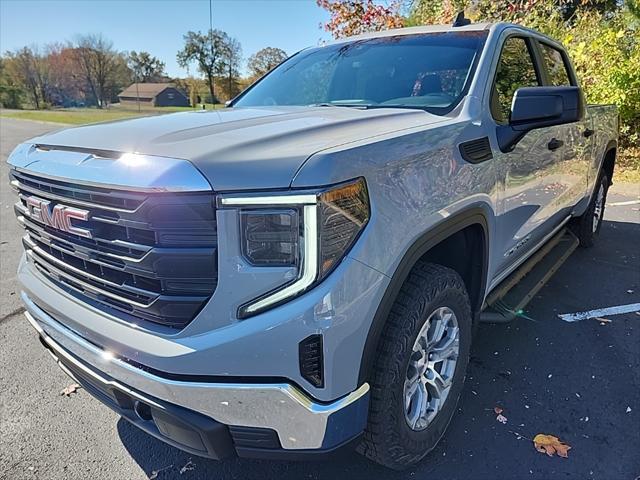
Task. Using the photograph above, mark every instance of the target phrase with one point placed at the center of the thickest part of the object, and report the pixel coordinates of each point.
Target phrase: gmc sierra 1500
(303, 269)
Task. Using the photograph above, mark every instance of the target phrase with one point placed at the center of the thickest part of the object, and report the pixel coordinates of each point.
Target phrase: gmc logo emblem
(58, 216)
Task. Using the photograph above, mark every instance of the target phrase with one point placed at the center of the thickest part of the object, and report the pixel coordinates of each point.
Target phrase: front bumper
(300, 423)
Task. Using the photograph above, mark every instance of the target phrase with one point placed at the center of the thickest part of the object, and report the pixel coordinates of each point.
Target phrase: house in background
(153, 95)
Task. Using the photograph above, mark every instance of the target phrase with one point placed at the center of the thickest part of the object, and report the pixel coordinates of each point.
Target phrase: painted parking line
(620, 204)
(600, 312)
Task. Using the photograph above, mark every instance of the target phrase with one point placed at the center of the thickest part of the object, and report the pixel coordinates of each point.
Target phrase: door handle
(554, 144)
(588, 132)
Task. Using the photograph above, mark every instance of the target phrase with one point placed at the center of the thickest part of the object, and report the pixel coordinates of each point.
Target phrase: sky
(157, 26)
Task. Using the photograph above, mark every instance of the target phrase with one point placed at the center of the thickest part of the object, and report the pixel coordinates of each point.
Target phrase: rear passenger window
(556, 68)
(515, 70)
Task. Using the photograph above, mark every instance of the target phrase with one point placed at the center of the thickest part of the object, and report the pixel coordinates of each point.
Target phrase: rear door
(527, 188)
(570, 175)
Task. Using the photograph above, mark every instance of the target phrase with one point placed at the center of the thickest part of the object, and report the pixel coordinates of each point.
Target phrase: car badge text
(58, 216)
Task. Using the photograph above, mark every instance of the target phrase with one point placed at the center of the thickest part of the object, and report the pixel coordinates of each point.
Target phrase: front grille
(151, 256)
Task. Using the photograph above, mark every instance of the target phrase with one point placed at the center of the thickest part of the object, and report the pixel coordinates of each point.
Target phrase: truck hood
(242, 148)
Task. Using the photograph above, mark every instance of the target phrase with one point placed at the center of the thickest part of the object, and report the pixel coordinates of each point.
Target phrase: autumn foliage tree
(264, 60)
(30, 69)
(352, 17)
(66, 83)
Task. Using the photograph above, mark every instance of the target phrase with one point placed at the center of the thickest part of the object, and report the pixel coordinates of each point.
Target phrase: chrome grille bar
(18, 186)
(154, 260)
(50, 259)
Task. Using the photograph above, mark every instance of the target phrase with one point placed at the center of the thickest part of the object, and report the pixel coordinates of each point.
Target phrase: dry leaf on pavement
(68, 390)
(155, 473)
(551, 445)
(188, 466)
(501, 418)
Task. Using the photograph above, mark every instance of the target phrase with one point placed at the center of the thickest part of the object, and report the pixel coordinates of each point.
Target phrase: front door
(527, 186)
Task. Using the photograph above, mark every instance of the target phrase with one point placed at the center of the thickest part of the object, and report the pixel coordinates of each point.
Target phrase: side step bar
(505, 301)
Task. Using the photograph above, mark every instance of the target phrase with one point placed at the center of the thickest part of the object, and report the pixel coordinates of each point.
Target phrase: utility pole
(137, 91)
(213, 100)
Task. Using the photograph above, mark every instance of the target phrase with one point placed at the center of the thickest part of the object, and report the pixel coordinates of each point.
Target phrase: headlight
(310, 231)
(270, 237)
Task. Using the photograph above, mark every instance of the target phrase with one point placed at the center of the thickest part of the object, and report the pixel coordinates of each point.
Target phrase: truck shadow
(514, 366)
(153, 455)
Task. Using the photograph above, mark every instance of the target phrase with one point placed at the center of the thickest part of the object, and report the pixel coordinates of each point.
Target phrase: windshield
(429, 71)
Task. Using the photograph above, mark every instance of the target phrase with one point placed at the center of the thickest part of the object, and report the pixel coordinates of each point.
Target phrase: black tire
(388, 438)
(583, 226)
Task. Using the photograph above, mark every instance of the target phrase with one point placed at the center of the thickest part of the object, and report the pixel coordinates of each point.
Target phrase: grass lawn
(82, 116)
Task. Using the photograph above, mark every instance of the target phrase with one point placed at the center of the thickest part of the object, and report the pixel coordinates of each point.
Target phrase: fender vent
(311, 360)
(476, 151)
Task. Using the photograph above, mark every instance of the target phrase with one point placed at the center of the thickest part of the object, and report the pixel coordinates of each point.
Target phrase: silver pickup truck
(303, 270)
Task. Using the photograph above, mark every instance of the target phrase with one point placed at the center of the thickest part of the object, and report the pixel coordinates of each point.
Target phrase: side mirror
(538, 107)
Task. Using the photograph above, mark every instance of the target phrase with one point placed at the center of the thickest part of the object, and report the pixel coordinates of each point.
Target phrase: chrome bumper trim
(300, 422)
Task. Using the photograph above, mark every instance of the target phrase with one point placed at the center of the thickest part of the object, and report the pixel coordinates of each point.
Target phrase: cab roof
(473, 27)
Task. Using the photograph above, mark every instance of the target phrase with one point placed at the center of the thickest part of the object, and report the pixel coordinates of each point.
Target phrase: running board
(507, 300)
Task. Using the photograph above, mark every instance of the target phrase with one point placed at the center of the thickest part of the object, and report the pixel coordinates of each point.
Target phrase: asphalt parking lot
(578, 381)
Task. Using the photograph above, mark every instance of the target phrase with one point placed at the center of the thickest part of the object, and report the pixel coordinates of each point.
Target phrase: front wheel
(420, 368)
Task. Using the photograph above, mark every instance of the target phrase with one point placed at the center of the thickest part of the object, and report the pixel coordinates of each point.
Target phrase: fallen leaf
(188, 466)
(68, 390)
(154, 473)
(602, 320)
(551, 445)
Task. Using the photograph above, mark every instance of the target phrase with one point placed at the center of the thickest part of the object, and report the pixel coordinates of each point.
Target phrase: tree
(146, 67)
(231, 60)
(516, 11)
(104, 69)
(30, 69)
(352, 17)
(264, 60)
(207, 51)
(67, 83)
(10, 91)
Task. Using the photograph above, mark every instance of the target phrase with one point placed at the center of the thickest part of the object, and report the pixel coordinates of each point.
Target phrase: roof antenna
(460, 21)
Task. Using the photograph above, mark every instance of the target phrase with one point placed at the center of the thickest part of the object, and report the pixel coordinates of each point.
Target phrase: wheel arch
(432, 246)
(609, 159)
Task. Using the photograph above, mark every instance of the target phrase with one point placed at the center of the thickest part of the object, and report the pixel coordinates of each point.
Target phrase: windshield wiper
(367, 106)
(362, 106)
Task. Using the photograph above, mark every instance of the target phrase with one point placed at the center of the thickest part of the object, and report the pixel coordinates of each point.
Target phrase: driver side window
(515, 69)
